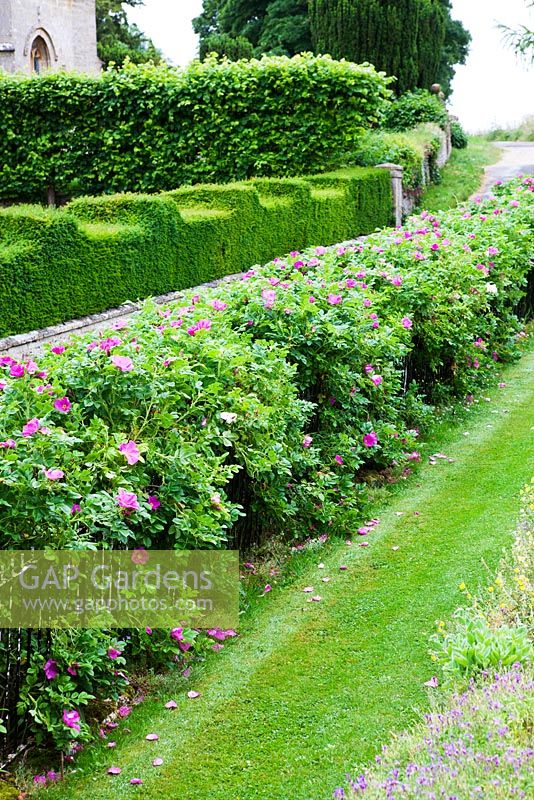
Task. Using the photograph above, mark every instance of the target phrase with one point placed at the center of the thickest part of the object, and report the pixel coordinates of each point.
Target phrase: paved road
(517, 159)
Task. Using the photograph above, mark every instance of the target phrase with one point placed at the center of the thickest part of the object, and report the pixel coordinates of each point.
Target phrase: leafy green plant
(223, 44)
(82, 666)
(149, 128)
(473, 646)
(410, 148)
(458, 136)
(413, 108)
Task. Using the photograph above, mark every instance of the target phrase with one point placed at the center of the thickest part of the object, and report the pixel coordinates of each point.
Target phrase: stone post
(396, 172)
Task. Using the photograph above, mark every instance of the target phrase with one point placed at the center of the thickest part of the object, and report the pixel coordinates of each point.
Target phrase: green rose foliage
(77, 671)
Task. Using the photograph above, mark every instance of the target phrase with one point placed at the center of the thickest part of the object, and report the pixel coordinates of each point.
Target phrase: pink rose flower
(50, 669)
(54, 474)
(63, 404)
(31, 427)
(123, 363)
(370, 439)
(71, 719)
(127, 500)
(17, 370)
(130, 451)
(334, 299)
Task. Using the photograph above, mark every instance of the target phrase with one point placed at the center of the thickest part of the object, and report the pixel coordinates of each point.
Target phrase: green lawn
(312, 690)
(462, 175)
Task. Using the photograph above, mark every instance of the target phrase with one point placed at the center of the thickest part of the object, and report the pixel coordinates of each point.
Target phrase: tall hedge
(147, 128)
(405, 38)
(99, 252)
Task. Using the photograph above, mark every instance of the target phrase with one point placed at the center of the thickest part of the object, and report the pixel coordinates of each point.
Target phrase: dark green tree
(286, 28)
(118, 39)
(418, 41)
(233, 47)
(404, 38)
(243, 18)
(208, 22)
(415, 40)
(275, 27)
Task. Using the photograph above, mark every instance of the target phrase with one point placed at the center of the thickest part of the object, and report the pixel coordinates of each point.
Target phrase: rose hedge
(148, 128)
(253, 408)
(217, 393)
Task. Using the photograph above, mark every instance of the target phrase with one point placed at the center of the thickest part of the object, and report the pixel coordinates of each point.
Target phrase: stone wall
(404, 200)
(66, 30)
(411, 199)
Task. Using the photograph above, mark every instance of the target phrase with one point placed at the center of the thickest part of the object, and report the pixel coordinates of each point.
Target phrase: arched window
(39, 55)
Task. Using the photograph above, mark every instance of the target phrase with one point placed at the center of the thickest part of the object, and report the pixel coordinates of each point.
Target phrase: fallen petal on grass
(157, 762)
(193, 694)
(152, 737)
(171, 704)
(114, 771)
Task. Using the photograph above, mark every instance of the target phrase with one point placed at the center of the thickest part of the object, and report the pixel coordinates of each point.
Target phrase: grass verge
(312, 690)
(462, 175)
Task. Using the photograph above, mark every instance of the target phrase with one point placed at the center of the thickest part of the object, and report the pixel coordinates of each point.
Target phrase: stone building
(41, 35)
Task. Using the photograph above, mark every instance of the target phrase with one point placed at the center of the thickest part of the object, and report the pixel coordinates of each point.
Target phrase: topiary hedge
(99, 252)
(149, 128)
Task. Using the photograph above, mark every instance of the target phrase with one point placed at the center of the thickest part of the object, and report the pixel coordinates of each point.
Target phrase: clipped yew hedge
(99, 252)
(149, 128)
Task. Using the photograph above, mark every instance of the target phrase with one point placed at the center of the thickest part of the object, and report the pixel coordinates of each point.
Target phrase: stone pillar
(396, 172)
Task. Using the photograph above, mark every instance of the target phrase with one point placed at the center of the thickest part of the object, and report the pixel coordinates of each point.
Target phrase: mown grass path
(312, 690)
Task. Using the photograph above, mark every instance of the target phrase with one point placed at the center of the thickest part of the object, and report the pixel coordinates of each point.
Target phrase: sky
(492, 89)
